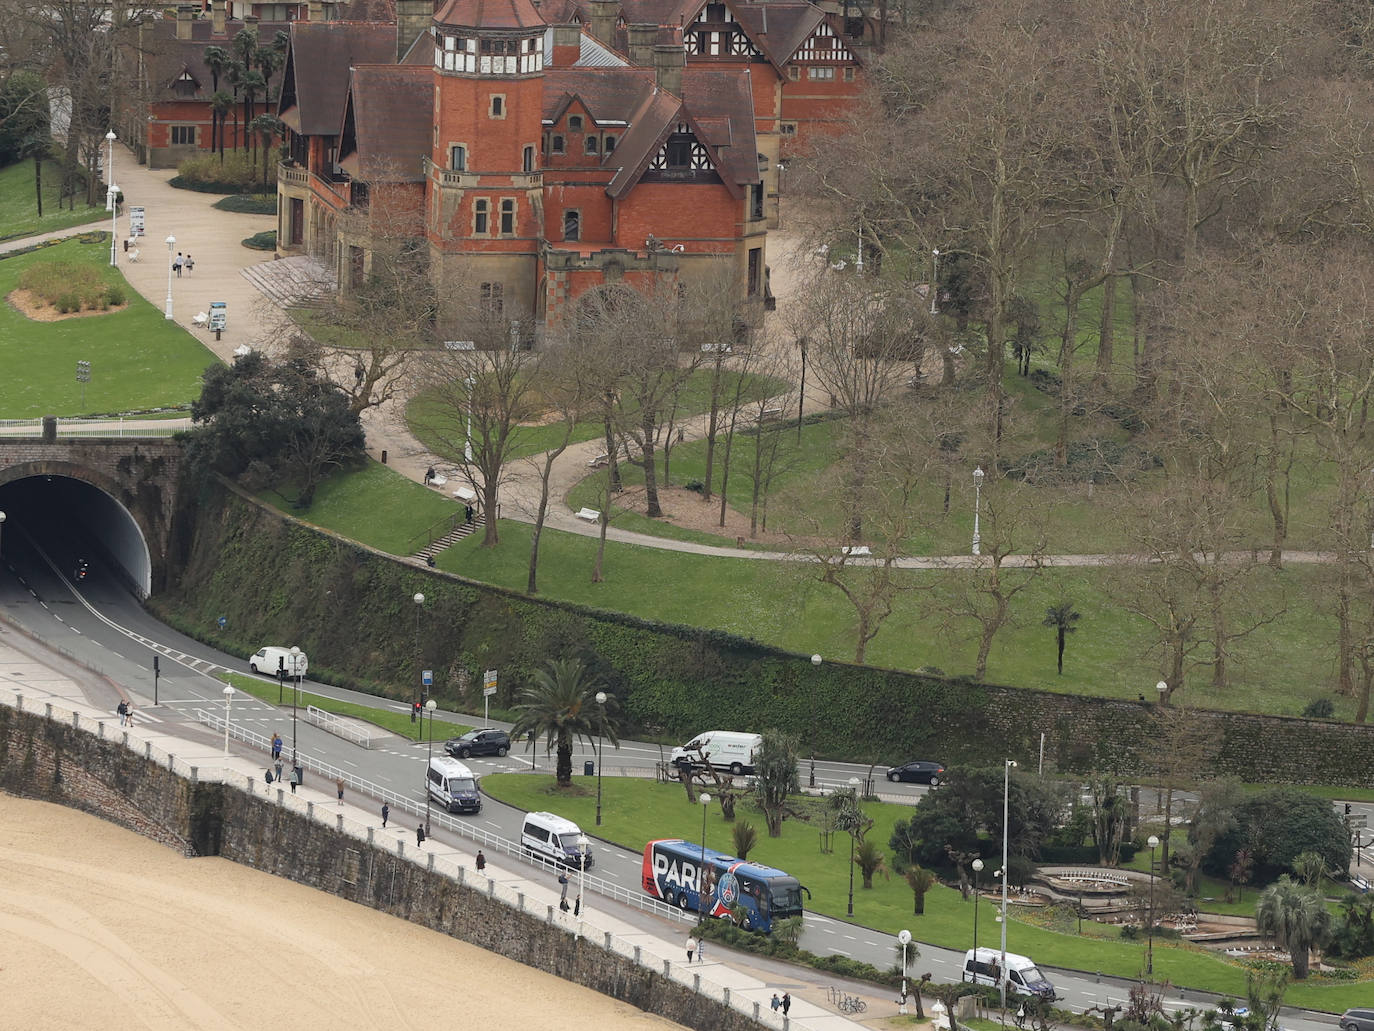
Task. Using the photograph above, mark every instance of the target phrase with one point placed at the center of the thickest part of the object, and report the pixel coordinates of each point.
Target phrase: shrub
(70, 286)
(114, 295)
(1320, 709)
(248, 204)
(205, 174)
(266, 241)
(695, 485)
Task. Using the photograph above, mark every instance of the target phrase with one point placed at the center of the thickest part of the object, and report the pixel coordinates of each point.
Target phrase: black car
(478, 742)
(918, 771)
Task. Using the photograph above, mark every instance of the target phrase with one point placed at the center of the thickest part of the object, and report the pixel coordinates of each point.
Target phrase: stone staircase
(298, 282)
(450, 539)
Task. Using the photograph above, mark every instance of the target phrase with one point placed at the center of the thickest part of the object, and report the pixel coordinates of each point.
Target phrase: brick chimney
(604, 14)
(413, 17)
(669, 60)
(642, 36)
(184, 22)
(217, 18)
(567, 45)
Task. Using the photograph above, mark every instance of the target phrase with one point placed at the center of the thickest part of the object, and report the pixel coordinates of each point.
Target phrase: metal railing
(338, 726)
(534, 900)
(114, 427)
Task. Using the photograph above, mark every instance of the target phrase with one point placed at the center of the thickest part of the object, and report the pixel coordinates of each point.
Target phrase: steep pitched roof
(591, 53)
(167, 57)
(722, 103)
(778, 29)
(649, 127)
(315, 82)
(609, 94)
(387, 123)
(490, 14)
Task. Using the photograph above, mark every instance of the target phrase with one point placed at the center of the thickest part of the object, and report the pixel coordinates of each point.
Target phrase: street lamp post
(228, 697)
(1163, 688)
(600, 740)
(701, 870)
(419, 600)
(1006, 807)
(582, 845)
(111, 192)
(430, 706)
(854, 787)
(171, 242)
(295, 696)
(934, 278)
(2, 526)
(904, 939)
(1153, 842)
(977, 506)
(977, 871)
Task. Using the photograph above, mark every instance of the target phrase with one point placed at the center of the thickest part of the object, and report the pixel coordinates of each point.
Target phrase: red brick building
(541, 164)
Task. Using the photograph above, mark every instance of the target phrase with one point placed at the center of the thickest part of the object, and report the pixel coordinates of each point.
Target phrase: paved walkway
(40, 675)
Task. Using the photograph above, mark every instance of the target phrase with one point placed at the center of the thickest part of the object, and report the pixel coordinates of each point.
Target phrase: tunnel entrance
(71, 517)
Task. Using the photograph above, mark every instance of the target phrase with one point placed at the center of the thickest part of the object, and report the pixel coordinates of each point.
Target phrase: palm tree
(1296, 917)
(218, 60)
(1062, 618)
(920, 880)
(221, 104)
(869, 858)
(252, 83)
(561, 705)
(266, 126)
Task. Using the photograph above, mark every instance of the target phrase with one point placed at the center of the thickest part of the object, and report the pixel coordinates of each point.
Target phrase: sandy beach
(100, 926)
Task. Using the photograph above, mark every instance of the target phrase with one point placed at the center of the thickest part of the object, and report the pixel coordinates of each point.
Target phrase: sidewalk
(42, 678)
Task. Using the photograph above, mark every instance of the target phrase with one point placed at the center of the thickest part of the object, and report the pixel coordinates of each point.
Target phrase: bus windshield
(787, 900)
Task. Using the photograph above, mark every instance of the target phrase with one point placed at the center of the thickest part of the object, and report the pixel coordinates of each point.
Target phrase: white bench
(1361, 885)
(438, 480)
(600, 461)
(589, 514)
(770, 415)
(466, 495)
(856, 551)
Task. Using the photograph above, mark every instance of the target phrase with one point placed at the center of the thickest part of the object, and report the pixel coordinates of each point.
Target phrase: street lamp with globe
(171, 242)
(904, 939)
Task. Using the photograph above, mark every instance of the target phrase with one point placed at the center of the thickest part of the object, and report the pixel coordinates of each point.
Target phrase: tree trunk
(651, 506)
(1345, 648)
(1271, 494)
(601, 547)
(1301, 958)
(612, 458)
(711, 425)
(38, 180)
(920, 900)
(490, 507)
(1061, 651)
(1072, 296)
(1106, 335)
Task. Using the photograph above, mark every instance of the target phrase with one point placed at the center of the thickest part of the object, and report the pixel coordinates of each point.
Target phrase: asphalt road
(105, 628)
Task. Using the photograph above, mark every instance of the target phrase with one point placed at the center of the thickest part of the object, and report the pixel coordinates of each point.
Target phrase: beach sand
(99, 926)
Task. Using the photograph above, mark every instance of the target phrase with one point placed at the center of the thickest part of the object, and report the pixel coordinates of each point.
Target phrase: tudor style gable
(716, 33)
(823, 45)
(682, 158)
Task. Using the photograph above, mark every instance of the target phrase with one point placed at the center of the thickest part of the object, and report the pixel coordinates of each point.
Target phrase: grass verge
(19, 208)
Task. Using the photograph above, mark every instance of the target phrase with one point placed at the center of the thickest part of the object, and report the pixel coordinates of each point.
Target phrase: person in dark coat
(420, 834)
(386, 813)
(786, 1002)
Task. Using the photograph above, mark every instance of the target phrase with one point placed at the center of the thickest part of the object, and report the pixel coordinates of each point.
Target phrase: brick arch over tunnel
(132, 487)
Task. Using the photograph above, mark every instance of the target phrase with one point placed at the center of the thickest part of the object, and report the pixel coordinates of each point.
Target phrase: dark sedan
(918, 771)
(478, 742)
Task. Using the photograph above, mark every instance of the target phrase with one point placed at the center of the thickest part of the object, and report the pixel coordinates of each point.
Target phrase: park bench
(856, 551)
(591, 515)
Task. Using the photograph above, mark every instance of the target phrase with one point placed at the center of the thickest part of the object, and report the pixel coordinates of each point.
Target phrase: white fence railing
(338, 726)
(530, 898)
(113, 427)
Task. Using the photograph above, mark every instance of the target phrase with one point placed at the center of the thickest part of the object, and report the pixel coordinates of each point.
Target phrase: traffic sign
(427, 677)
(222, 622)
(487, 692)
(489, 681)
(1357, 820)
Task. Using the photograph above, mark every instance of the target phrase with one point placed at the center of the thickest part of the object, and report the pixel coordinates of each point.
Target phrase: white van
(453, 785)
(269, 660)
(726, 750)
(554, 837)
(1023, 976)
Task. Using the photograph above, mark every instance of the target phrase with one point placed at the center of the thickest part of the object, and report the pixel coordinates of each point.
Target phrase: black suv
(478, 742)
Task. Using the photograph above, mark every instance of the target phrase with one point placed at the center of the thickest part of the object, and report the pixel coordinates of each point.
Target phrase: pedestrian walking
(189, 264)
(299, 771)
(338, 783)
(123, 710)
(786, 1002)
(276, 749)
(691, 948)
(277, 766)
(776, 1002)
(386, 814)
(177, 263)
(481, 861)
(129, 717)
(420, 834)
(268, 775)
(701, 950)
(563, 882)
(467, 513)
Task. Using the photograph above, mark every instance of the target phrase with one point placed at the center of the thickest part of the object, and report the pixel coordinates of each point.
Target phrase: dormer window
(574, 123)
(185, 86)
(715, 12)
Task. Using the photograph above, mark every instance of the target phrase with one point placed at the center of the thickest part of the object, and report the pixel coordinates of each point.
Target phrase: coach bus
(674, 872)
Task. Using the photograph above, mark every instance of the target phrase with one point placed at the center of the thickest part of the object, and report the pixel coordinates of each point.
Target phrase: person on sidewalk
(177, 263)
(277, 767)
(776, 1002)
(123, 710)
(563, 883)
(786, 1002)
(189, 264)
(129, 717)
(276, 749)
(701, 950)
(420, 835)
(429, 476)
(269, 778)
(338, 783)
(386, 814)
(481, 861)
(691, 948)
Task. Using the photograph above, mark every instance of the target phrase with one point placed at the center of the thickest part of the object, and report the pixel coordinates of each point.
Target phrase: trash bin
(383, 456)
(589, 768)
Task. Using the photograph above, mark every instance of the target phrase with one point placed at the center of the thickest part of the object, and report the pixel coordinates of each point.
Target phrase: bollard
(47, 710)
(341, 823)
(310, 810)
(608, 941)
(76, 721)
(520, 900)
(549, 918)
(726, 995)
(100, 730)
(667, 968)
(756, 1011)
(491, 887)
(195, 774)
(400, 848)
(370, 835)
(1099, 977)
(696, 983)
(147, 750)
(462, 875)
(431, 861)
(639, 962)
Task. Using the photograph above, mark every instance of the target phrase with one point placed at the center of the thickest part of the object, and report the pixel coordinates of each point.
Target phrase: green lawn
(386, 719)
(19, 209)
(431, 422)
(636, 811)
(373, 505)
(139, 360)
(1107, 656)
